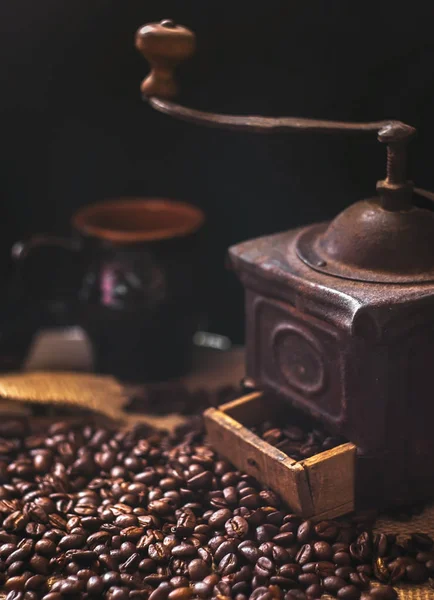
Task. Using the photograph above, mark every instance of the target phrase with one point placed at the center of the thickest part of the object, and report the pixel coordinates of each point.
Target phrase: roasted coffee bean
(202, 589)
(237, 527)
(198, 569)
(381, 570)
(16, 568)
(287, 538)
(305, 554)
(349, 592)
(383, 592)
(35, 530)
(19, 595)
(380, 545)
(20, 553)
(81, 556)
(424, 556)
(314, 591)
(131, 533)
(295, 595)
(342, 559)
(228, 564)
(344, 572)
(359, 552)
(161, 507)
(162, 592)
(201, 481)
(184, 549)
(6, 549)
(57, 521)
(311, 567)
(416, 573)
(360, 580)
(283, 582)
(124, 521)
(228, 546)
(117, 593)
(15, 522)
(326, 530)
(366, 569)
(204, 554)
(183, 593)
(179, 581)
(35, 582)
(218, 519)
(333, 584)
(71, 541)
(185, 524)
(305, 532)
(266, 532)
(397, 572)
(249, 552)
(308, 579)
(261, 593)
(280, 555)
(95, 586)
(71, 586)
(158, 552)
(16, 583)
(111, 578)
(273, 436)
(39, 564)
(323, 551)
(264, 567)
(291, 571)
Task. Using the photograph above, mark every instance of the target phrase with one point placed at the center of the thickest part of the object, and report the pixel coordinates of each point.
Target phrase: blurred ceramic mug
(140, 285)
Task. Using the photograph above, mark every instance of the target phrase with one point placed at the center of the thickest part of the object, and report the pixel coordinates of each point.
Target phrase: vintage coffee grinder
(340, 315)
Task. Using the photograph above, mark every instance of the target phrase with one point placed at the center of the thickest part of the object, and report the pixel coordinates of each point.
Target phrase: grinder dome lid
(373, 241)
(386, 239)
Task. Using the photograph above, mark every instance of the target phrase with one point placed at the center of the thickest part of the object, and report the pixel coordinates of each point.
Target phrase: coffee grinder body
(340, 315)
(357, 360)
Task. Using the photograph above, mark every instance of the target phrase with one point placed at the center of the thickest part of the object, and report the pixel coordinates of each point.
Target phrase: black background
(74, 129)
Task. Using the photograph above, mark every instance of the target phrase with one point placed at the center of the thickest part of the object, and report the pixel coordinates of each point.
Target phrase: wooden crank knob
(164, 45)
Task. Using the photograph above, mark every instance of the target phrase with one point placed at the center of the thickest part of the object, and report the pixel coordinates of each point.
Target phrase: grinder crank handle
(165, 45)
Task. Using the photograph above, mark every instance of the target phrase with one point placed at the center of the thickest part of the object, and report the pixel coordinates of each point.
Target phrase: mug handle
(17, 329)
(22, 249)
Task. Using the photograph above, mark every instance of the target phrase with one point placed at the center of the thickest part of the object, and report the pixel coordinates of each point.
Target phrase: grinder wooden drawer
(317, 487)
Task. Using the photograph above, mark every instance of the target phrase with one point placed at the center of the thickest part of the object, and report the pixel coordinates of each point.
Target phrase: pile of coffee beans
(86, 512)
(297, 441)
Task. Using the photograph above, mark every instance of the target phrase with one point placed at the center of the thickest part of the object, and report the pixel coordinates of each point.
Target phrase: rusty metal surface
(366, 243)
(271, 264)
(259, 124)
(354, 355)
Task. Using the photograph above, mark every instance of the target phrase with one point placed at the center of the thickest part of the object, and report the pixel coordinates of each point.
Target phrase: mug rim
(192, 219)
